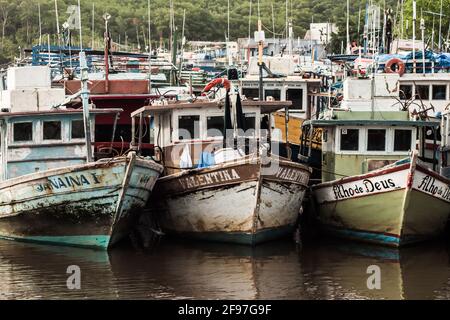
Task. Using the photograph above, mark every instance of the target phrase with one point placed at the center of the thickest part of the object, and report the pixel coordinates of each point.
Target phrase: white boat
(222, 193)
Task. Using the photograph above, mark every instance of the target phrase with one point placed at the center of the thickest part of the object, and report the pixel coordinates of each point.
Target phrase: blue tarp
(443, 60)
(206, 160)
(440, 60)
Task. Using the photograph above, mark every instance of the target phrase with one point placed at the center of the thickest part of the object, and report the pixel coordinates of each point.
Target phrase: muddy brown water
(329, 269)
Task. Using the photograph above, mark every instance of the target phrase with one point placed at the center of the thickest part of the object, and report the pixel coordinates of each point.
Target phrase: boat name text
(365, 186)
(216, 177)
(65, 182)
(429, 185)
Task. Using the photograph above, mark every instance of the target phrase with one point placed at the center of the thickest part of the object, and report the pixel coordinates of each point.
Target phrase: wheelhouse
(38, 141)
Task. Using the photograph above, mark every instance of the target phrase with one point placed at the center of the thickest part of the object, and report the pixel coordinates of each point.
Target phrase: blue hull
(243, 238)
(371, 237)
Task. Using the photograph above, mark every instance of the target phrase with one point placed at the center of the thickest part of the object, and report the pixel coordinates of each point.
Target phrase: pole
(40, 24)
(57, 20)
(347, 51)
(93, 25)
(85, 99)
(149, 50)
(414, 36)
(422, 28)
(79, 17)
(440, 28)
(260, 62)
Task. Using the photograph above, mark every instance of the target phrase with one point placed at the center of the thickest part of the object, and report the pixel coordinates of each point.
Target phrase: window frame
(61, 139)
(386, 139)
(216, 114)
(363, 136)
(70, 130)
(413, 139)
(338, 142)
(34, 129)
(432, 91)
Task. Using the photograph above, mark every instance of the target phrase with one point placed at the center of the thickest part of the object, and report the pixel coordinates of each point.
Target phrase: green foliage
(205, 20)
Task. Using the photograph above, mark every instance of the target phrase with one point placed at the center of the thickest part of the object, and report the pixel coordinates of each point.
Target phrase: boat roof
(404, 123)
(4, 115)
(266, 106)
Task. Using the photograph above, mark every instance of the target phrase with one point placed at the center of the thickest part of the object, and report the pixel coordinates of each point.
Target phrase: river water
(330, 269)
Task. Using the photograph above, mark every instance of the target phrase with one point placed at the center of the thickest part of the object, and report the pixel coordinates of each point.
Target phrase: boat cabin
(41, 140)
(371, 129)
(353, 147)
(282, 85)
(199, 127)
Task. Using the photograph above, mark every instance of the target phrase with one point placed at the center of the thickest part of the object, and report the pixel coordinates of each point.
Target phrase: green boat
(380, 176)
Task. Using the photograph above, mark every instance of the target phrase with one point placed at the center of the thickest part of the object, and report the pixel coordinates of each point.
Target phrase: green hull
(393, 218)
(91, 241)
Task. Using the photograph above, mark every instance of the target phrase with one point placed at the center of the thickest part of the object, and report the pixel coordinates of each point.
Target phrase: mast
(440, 28)
(85, 100)
(40, 24)
(149, 50)
(106, 16)
(57, 22)
(348, 50)
(249, 31)
(422, 28)
(183, 41)
(93, 24)
(414, 36)
(260, 59)
(79, 17)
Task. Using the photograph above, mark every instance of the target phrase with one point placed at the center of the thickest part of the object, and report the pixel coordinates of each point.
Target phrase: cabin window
(214, 125)
(376, 139)
(439, 92)
(250, 93)
(406, 91)
(52, 130)
(402, 140)
(188, 127)
(423, 92)
(275, 93)
(349, 139)
(77, 129)
(250, 124)
(296, 96)
(23, 131)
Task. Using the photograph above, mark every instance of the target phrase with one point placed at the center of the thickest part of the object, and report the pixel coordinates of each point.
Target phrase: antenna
(93, 24)
(57, 20)
(414, 36)
(40, 24)
(422, 28)
(79, 17)
(348, 51)
(440, 28)
(149, 50)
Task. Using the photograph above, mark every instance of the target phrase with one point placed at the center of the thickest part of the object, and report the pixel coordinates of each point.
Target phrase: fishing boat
(221, 189)
(53, 191)
(378, 185)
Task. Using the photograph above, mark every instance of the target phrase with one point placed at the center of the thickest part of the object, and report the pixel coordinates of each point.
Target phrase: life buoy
(216, 82)
(395, 65)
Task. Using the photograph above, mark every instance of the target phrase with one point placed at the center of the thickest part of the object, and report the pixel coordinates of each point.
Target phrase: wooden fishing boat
(88, 205)
(51, 188)
(395, 205)
(239, 197)
(377, 184)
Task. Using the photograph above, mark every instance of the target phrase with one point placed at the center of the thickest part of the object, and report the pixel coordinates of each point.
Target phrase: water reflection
(177, 270)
